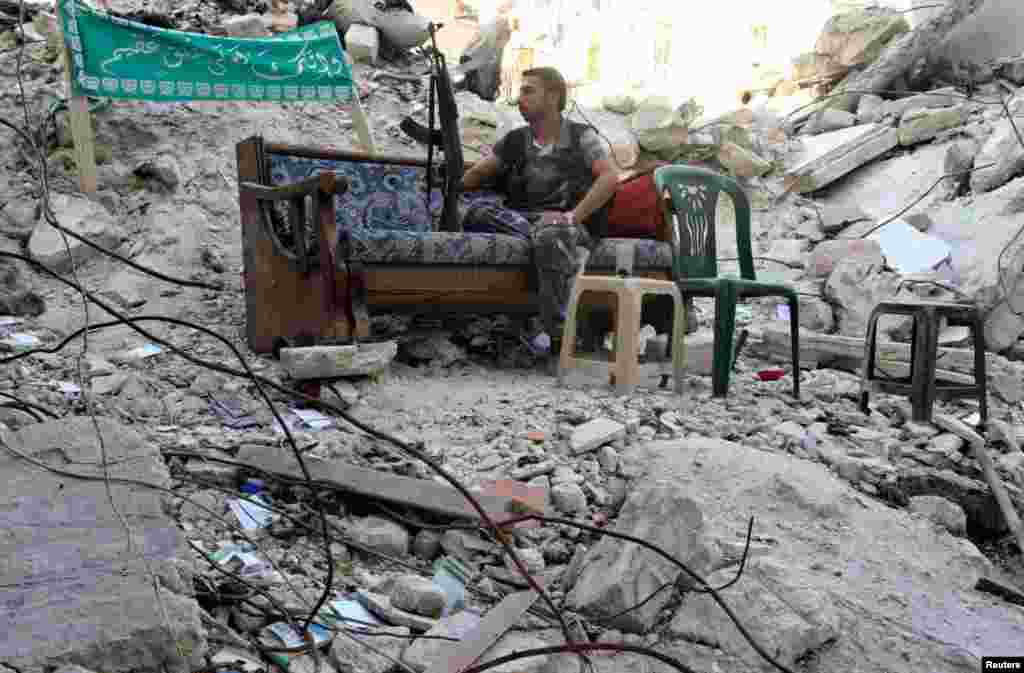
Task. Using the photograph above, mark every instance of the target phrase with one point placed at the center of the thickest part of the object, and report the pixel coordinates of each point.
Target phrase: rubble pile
(866, 526)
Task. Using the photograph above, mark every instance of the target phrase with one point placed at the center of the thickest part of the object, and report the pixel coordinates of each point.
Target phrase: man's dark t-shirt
(545, 184)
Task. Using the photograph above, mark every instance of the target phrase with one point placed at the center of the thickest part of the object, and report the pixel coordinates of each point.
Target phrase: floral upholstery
(385, 216)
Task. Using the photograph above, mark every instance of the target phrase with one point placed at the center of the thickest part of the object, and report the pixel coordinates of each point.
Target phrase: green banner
(115, 58)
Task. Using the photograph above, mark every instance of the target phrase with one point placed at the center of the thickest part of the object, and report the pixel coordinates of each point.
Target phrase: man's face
(534, 99)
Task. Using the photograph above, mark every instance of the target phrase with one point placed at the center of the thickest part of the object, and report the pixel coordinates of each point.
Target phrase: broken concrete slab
(87, 219)
(616, 576)
(72, 592)
(893, 576)
(1013, 70)
(919, 125)
(942, 511)
(830, 156)
(406, 491)
(937, 98)
(595, 433)
(325, 362)
(788, 630)
(883, 188)
(854, 288)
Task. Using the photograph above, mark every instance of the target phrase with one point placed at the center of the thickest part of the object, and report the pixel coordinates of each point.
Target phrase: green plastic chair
(690, 196)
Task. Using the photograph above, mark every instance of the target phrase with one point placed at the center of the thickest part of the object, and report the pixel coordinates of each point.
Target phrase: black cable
(579, 648)
(249, 374)
(22, 408)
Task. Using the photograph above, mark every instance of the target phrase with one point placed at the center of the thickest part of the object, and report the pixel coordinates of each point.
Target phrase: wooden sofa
(369, 243)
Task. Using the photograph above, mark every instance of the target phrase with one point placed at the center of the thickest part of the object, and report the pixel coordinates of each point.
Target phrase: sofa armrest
(322, 188)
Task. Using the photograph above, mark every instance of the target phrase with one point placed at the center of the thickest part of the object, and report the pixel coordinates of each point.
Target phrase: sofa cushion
(383, 219)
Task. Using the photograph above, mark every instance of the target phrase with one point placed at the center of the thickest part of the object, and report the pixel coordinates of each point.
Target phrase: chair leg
(725, 325)
(568, 335)
(922, 375)
(627, 328)
(870, 349)
(980, 376)
(678, 349)
(794, 338)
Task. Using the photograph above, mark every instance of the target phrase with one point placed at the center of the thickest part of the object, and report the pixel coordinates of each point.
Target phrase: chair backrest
(694, 199)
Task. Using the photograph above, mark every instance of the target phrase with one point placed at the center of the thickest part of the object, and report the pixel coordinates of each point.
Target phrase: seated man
(557, 178)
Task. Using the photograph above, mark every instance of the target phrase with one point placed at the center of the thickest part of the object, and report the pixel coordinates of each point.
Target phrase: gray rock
(66, 557)
(595, 433)
(764, 603)
(437, 349)
(1004, 150)
(531, 557)
(381, 535)
(427, 544)
(424, 651)
(125, 288)
(381, 606)
(825, 257)
(247, 25)
(568, 498)
(17, 297)
(960, 159)
(87, 219)
(940, 510)
(418, 595)
(617, 576)
(608, 458)
(563, 474)
(18, 219)
(829, 119)
(792, 251)
(790, 429)
(855, 287)
(163, 171)
(354, 657)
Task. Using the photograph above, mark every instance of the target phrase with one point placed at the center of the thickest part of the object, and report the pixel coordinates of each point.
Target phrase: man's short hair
(553, 81)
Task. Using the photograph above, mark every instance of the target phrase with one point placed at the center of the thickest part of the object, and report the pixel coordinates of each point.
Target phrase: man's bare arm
(600, 192)
(481, 173)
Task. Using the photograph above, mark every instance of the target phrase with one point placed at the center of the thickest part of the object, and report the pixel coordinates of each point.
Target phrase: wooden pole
(359, 119)
(81, 123)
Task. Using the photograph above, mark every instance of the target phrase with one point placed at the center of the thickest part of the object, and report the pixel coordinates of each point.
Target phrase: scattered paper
(974, 419)
(232, 414)
(143, 352)
(782, 312)
(250, 515)
(19, 341)
(314, 419)
(908, 250)
(351, 612)
(291, 637)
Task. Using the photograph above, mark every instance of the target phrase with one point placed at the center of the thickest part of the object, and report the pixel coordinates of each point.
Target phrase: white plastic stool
(624, 371)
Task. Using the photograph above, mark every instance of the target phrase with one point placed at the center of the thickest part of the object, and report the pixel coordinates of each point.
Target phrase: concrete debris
(920, 125)
(327, 362)
(856, 38)
(594, 434)
(85, 218)
(68, 557)
(835, 154)
(947, 514)
(615, 577)
(742, 162)
(829, 120)
(247, 25)
(1005, 151)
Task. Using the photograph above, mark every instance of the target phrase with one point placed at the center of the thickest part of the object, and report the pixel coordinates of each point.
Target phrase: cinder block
(363, 43)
